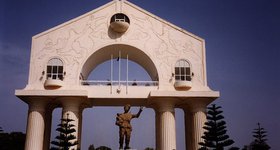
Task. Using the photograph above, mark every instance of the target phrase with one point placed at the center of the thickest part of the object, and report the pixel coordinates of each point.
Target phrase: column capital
(37, 104)
(195, 107)
(72, 103)
(164, 106)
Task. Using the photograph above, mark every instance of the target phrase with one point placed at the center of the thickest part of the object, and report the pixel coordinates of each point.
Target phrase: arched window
(120, 17)
(55, 69)
(182, 71)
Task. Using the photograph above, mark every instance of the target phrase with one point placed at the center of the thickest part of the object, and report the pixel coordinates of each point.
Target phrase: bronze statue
(123, 121)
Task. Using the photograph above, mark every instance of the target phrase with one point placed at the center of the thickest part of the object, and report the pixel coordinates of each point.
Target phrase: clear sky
(243, 63)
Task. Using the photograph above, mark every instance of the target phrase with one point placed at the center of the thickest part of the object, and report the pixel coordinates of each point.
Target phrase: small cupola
(119, 23)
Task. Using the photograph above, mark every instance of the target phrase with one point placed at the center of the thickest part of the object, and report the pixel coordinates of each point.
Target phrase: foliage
(245, 147)
(1, 130)
(149, 148)
(260, 141)
(234, 148)
(215, 136)
(103, 148)
(91, 147)
(12, 141)
(66, 139)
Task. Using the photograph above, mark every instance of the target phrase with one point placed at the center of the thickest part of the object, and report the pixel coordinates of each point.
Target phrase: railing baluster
(116, 83)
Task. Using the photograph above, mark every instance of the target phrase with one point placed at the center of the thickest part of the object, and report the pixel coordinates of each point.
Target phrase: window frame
(183, 70)
(120, 17)
(55, 69)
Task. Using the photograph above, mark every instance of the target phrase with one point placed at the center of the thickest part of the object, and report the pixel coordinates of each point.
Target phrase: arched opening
(120, 71)
(110, 66)
(117, 67)
(119, 52)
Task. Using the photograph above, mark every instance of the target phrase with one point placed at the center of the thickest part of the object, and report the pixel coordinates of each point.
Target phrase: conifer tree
(260, 141)
(103, 148)
(149, 148)
(91, 147)
(215, 137)
(66, 139)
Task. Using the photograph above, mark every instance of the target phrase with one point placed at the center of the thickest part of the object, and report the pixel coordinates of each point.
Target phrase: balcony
(53, 83)
(183, 85)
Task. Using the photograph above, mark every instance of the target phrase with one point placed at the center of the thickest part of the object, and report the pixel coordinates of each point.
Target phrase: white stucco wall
(76, 40)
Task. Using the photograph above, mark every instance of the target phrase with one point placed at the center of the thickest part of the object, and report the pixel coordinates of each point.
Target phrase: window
(120, 18)
(182, 71)
(55, 69)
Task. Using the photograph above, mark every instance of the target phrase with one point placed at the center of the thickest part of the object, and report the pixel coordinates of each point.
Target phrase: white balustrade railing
(118, 83)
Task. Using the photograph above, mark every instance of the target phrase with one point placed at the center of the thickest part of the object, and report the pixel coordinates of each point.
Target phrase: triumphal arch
(63, 57)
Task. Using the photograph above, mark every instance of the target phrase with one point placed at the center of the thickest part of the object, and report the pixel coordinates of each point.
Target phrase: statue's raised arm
(139, 112)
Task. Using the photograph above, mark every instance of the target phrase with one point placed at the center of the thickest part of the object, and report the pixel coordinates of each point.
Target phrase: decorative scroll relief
(72, 46)
(165, 46)
(191, 49)
(141, 33)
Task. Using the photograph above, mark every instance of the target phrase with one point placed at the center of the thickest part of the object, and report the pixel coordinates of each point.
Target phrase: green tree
(260, 141)
(12, 141)
(149, 148)
(234, 148)
(65, 139)
(103, 148)
(91, 147)
(215, 136)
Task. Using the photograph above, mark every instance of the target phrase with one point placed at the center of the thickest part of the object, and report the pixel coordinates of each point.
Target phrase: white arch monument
(62, 58)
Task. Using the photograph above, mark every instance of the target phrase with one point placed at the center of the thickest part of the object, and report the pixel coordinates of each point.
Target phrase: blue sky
(243, 63)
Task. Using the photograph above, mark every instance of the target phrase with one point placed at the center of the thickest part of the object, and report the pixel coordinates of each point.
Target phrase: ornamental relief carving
(166, 46)
(157, 39)
(74, 47)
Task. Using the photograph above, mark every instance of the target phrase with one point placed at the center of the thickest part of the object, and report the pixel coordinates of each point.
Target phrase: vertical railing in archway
(118, 83)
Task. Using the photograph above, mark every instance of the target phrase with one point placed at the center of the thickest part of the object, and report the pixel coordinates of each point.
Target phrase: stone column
(35, 125)
(48, 127)
(195, 118)
(80, 126)
(166, 129)
(71, 107)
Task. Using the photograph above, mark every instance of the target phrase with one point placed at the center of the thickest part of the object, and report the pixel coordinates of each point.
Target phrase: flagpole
(119, 69)
(111, 73)
(126, 73)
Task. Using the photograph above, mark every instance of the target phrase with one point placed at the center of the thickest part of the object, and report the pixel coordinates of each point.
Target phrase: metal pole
(119, 69)
(126, 73)
(111, 73)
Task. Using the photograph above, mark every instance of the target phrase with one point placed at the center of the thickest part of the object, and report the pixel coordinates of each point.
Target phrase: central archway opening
(120, 72)
(116, 67)
(119, 61)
